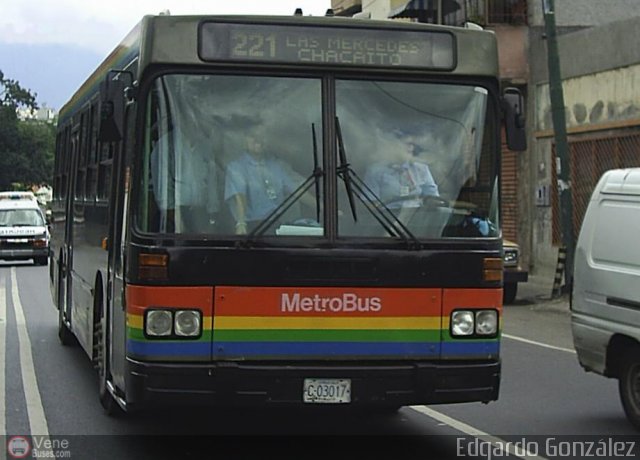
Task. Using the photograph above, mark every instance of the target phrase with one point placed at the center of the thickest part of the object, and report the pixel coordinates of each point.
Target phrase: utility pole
(563, 165)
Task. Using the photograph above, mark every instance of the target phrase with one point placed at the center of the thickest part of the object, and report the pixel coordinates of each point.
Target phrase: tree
(37, 146)
(26, 147)
(14, 96)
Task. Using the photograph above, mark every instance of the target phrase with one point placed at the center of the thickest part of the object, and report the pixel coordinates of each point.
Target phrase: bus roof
(176, 40)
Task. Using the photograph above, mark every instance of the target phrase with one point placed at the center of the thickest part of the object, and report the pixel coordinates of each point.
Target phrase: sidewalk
(538, 317)
(536, 292)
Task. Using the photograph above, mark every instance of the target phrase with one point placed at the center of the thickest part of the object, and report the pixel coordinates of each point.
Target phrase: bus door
(117, 232)
(67, 248)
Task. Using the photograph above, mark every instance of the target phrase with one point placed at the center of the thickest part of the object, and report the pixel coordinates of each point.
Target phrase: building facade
(600, 62)
(602, 110)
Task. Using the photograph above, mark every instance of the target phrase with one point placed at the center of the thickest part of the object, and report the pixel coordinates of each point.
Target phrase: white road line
(3, 347)
(497, 443)
(35, 411)
(540, 344)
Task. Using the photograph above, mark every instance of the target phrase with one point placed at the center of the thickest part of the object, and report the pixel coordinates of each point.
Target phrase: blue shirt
(265, 182)
(401, 185)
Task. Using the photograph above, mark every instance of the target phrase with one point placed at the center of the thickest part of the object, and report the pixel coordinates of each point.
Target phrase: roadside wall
(600, 69)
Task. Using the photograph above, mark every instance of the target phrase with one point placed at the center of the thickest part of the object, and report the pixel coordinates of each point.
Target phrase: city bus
(285, 211)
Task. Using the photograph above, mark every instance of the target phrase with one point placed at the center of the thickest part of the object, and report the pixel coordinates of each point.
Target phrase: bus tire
(381, 409)
(387, 410)
(65, 335)
(629, 385)
(107, 401)
(509, 294)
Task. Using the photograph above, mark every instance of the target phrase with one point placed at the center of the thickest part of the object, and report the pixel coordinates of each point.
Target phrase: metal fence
(590, 158)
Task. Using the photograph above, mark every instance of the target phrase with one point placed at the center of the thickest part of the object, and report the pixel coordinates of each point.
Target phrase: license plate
(326, 391)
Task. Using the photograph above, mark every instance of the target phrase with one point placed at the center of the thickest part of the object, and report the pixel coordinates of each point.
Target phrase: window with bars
(589, 159)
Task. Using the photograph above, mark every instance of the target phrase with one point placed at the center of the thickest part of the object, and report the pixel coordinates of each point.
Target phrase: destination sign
(327, 45)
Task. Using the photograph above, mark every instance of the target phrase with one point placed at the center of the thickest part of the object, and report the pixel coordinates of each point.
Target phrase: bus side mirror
(112, 102)
(514, 120)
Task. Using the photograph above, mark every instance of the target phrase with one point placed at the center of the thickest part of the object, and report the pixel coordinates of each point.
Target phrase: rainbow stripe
(256, 323)
(348, 337)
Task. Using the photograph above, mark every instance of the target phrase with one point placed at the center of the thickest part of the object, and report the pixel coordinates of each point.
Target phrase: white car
(23, 231)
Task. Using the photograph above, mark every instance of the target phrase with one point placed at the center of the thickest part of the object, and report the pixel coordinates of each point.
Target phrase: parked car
(23, 230)
(513, 272)
(605, 300)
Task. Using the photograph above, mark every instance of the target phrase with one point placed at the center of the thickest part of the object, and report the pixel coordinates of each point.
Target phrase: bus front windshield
(426, 156)
(229, 155)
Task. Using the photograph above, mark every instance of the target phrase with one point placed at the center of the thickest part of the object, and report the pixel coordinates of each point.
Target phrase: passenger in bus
(401, 180)
(182, 167)
(256, 183)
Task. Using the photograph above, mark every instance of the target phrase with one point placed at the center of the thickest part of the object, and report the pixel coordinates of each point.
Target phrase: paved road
(51, 389)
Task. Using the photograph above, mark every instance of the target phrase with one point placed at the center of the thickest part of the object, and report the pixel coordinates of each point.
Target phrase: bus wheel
(381, 410)
(510, 291)
(629, 386)
(64, 333)
(101, 359)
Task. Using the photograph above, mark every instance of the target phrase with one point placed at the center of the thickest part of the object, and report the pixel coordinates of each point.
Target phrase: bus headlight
(158, 323)
(462, 323)
(487, 322)
(474, 323)
(187, 323)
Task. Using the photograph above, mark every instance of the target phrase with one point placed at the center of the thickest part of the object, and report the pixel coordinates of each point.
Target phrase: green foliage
(26, 147)
(14, 95)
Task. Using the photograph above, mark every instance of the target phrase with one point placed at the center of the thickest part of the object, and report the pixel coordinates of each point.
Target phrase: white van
(23, 231)
(605, 301)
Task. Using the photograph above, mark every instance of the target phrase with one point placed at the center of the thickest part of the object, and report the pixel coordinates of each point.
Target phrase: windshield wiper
(344, 170)
(380, 211)
(316, 169)
(290, 200)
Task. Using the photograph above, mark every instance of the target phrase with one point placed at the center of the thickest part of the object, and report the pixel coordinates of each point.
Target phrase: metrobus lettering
(296, 303)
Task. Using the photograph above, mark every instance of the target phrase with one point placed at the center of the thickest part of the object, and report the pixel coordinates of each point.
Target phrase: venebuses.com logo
(18, 447)
(38, 447)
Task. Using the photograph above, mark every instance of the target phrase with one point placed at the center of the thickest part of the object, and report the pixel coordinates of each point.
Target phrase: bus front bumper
(232, 383)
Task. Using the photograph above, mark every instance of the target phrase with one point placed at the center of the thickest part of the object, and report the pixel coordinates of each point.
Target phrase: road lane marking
(35, 410)
(540, 344)
(3, 347)
(469, 430)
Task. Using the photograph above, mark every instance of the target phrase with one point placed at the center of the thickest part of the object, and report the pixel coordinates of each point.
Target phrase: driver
(403, 180)
(256, 183)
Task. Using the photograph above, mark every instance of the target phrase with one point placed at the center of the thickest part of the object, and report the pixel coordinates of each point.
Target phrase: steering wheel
(427, 200)
(435, 201)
